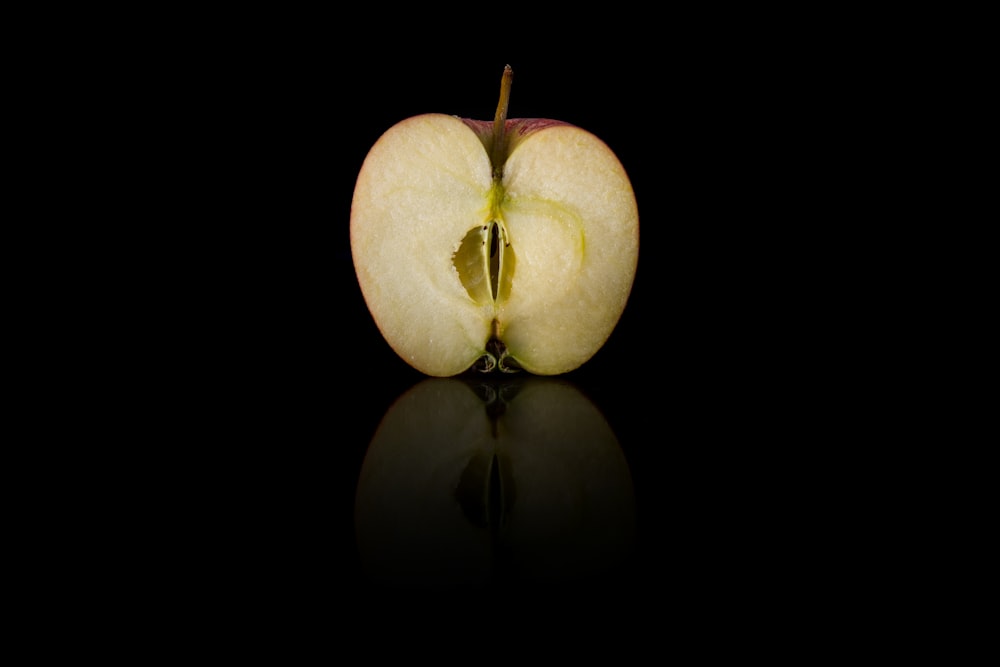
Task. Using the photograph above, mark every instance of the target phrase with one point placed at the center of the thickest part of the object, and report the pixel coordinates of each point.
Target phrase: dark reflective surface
(351, 475)
(491, 481)
(732, 386)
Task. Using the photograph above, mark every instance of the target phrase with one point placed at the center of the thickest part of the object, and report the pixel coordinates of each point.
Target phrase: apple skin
(515, 130)
(514, 253)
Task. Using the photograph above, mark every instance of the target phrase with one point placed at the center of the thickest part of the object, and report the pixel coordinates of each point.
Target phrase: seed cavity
(494, 259)
(485, 263)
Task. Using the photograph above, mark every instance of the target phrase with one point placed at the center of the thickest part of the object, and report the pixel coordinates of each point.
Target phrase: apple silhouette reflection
(479, 481)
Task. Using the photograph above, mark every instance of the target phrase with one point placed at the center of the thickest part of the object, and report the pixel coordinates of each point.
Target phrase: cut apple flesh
(461, 264)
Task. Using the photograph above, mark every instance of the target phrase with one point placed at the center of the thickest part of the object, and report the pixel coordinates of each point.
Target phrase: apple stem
(500, 121)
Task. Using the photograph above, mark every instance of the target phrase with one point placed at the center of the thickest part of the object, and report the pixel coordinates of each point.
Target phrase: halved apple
(507, 245)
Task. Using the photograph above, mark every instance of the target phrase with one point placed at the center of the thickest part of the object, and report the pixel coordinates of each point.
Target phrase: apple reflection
(475, 481)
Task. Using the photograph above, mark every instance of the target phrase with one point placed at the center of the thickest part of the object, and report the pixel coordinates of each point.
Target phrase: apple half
(509, 245)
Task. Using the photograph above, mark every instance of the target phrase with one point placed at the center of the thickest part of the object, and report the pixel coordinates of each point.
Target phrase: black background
(219, 375)
(686, 377)
(732, 142)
